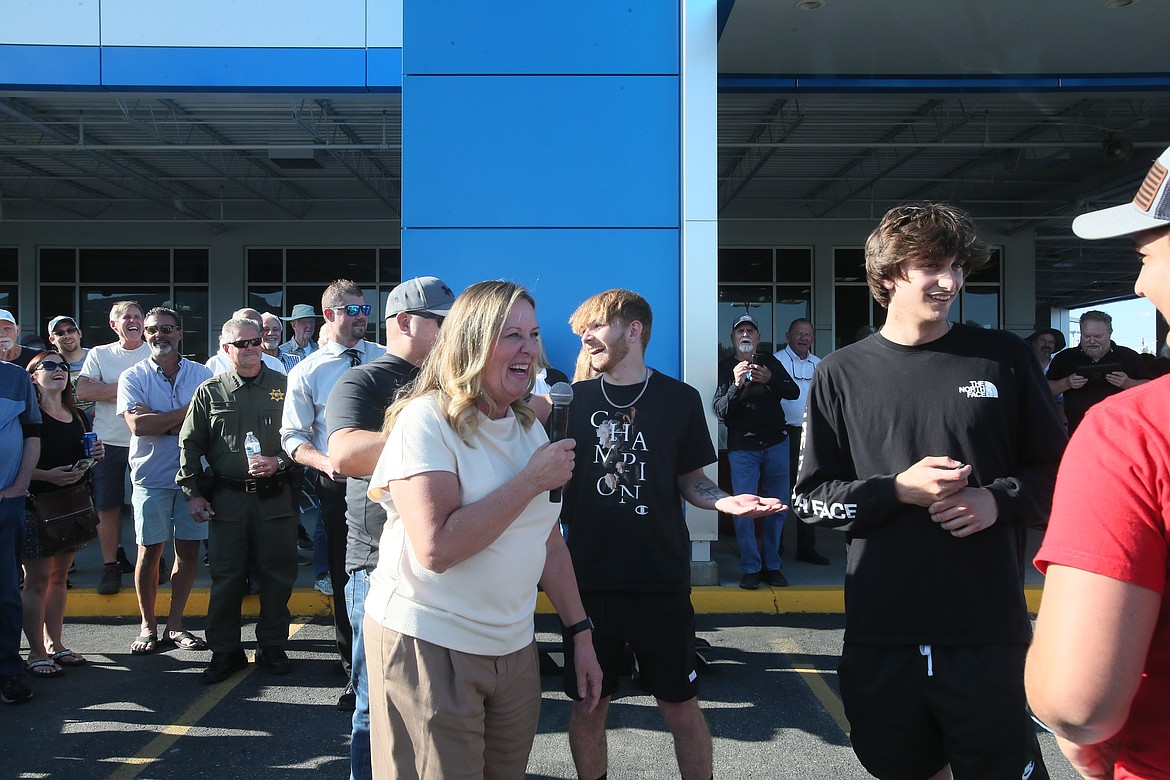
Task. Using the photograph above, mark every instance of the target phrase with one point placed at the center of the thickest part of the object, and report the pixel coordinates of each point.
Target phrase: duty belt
(262, 484)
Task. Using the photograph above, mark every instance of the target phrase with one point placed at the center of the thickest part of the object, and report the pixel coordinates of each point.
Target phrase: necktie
(355, 357)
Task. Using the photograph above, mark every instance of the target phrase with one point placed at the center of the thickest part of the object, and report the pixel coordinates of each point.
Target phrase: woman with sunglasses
(62, 446)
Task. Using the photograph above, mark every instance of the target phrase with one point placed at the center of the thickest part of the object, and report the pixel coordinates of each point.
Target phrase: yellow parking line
(135, 765)
(815, 681)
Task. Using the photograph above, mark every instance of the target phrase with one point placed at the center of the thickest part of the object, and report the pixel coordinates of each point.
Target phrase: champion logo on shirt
(979, 388)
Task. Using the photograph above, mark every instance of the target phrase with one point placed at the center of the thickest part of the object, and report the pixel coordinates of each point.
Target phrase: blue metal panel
(50, 67)
(532, 151)
(561, 268)
(229, 69)
(540, 37)
(384, 70)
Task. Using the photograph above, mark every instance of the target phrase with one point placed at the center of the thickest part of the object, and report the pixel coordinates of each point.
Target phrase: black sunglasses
(428, 315)
(52, 365)
(244, 343)
(353, 309)
(66, 332)
(150, 330)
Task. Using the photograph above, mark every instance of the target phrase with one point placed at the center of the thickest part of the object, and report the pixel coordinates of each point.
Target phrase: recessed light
(1118, 3)
(812, 5)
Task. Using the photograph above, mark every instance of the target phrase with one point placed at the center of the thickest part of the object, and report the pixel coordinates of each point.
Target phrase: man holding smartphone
(751, 386)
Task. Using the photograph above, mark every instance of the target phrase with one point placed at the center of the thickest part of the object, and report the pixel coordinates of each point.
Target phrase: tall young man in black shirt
(642, 444)
(934, 445)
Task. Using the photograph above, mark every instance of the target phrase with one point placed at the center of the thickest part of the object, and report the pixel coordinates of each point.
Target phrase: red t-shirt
(1111, 516)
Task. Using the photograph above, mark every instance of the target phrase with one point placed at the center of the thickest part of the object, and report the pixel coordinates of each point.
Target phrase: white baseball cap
(1150, 208)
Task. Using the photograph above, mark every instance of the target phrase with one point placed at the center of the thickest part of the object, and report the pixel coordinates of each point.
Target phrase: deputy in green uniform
(250, 506)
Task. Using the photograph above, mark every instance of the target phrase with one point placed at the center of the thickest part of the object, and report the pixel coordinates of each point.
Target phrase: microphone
(561, 395)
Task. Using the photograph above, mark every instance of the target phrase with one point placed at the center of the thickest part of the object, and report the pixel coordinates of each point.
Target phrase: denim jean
(359, 747)
(765, 473)
(11, 606)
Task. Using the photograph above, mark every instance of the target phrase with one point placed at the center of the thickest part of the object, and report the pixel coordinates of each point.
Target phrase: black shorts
(914, 709)
(660, 630)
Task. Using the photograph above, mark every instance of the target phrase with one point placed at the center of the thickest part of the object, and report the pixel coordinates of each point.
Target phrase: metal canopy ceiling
(1019, 161)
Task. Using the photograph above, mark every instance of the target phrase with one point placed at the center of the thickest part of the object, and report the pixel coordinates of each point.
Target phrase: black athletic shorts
(913, 709)
(660, 630)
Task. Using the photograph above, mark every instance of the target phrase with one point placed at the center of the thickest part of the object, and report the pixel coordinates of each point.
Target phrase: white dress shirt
(309, 384)
(801, 372)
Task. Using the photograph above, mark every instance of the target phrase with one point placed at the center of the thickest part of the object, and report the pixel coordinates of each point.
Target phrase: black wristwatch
(577, 628)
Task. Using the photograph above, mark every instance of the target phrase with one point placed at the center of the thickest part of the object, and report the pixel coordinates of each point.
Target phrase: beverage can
(89, 440)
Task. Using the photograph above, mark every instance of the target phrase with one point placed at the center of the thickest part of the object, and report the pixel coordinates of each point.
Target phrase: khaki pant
(439, 713)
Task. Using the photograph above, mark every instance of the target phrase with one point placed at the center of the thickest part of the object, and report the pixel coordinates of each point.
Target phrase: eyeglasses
(428, 315)
(245, 343)
(52, 365)
(150, 330)
(66, 332)
(353, 309)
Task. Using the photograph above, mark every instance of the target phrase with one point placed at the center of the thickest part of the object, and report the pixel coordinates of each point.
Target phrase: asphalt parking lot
(770, 696)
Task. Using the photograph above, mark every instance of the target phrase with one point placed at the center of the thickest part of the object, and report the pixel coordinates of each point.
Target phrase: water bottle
(251, 448)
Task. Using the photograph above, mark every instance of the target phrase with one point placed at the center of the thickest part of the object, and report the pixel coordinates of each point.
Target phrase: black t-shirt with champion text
(623, 507)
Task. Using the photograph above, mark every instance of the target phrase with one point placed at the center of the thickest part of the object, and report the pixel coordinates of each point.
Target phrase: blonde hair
(584, 368)
(453, 371)
(613, 306)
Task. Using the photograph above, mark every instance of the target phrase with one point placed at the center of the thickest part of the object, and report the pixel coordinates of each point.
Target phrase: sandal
(144, 645)
(43, 668)
(184, 640)
(68, 658)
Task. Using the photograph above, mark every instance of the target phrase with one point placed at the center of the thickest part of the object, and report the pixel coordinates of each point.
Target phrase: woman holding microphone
(470, 532)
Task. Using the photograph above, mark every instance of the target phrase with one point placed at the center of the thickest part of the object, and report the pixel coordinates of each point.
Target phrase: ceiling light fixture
(1118, 3)
(812, 5)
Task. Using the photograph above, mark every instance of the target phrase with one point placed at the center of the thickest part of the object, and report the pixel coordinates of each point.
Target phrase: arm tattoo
(703, 488)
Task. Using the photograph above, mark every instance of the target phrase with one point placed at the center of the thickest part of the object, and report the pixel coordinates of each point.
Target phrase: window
(9, 278)
(85, 283)
(773, 285)
(280, 278)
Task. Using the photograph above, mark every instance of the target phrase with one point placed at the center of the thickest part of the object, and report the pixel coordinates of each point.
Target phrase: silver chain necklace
(645, 384)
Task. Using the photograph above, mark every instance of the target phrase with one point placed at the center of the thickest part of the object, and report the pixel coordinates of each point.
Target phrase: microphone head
(561, 394)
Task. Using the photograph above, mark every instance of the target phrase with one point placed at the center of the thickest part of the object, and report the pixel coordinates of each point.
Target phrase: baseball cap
(7, 316)
(748, 319)
(299, 312)
(53, 323)
(423, 293)
(1150, 208)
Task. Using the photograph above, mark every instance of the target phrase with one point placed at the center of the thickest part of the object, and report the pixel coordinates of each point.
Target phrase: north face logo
(980, 388)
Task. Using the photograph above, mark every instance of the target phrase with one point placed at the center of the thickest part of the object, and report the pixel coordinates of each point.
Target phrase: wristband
(577, 628)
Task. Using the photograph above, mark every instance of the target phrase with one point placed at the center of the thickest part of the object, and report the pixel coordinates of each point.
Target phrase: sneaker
(14, 690)
(111, 580)
(304, 541)
(124, 565)
(325, 585)
(750, 581)
(775, 578)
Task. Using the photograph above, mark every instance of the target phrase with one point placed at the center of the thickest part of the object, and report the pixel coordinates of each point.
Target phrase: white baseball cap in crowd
(1150, 208)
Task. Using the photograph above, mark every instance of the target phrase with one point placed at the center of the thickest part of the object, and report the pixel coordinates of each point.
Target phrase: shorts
(660, 630)
(109, 478)
(160, 513)
(914, 709)
(33, 550)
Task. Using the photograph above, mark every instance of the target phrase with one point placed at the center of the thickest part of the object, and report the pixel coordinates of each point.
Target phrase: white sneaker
(325, 585)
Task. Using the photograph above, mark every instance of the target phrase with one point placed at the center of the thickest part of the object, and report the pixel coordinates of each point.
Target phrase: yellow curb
(826, 599)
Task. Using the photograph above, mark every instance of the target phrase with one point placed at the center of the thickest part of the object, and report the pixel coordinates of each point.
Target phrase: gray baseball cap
(422, 293)
(1149, 209)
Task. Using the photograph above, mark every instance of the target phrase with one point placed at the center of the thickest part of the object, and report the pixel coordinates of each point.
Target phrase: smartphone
(83, 465)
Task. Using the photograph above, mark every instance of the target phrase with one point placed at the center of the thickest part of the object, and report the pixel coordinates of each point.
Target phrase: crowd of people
(432, 470)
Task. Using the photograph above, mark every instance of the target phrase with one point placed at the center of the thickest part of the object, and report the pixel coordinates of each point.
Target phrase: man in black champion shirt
(934, 446)
(642, 444)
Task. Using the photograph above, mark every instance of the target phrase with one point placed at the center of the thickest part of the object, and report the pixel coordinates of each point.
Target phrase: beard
(1095, 353)
(745, 346)
(614, 353)
(6, 344)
